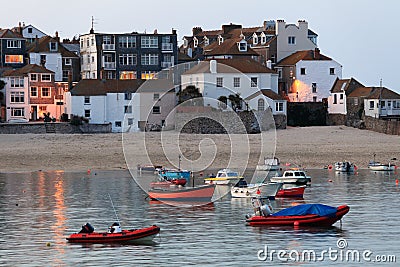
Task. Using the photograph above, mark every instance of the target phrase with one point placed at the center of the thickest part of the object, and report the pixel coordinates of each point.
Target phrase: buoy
(330, 181)
(397, 181)
(48, 244)
(296, 223)
(88, 171)
(330, 167)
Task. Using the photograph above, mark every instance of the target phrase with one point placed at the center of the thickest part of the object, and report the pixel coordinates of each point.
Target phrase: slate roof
(374, 93)
(25, 70)
(346, 85)
(228, 47)
(42, 45)
(7, 33)
(91, 87)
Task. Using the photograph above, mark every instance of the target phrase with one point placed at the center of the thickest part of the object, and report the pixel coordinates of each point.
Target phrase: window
(149, 42)
(156, 110)
(130, 121)
(127, 96)
(279, 106)
(65, 75)
(396, 104)
(334, 98)
(261, 105)
(14, 59)
(383, 104)
(29, 30)
(88, 59)
(206, 41)
(92, 41)
(280, 73)
(46, 78)
(17, 112)
(341, 96)
(220, 39)
(106, 40)
(332, 71)
(147, 75)
(87, 113)
(236, 82)
(292, 40)
(356, 101)
(156, 96)
(87, 42)
(33, 77)
(42, 59)
(118, 124)
(13, 43)
(149, 59)
(242, 46)
(195, 42)
(127, 75)
(67, 61)
(42, 109)
(17, 97)
(314, 99)
(303, 71)
(220, 81)
(127, 59)
(254, 81)
(128, 109)
(127, 41)
(53, 46)
(34, 92)
(255, 39)
(17, 82)
(371, 104)
(86, 100)
(45, 92)
(314, 87)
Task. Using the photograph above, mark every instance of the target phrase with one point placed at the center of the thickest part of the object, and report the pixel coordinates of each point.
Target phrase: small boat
(173, 174)
(202, 193)
(148, 168)
(114, 235)
(167, 183)
(292, 176)
(264, 190)
(302, 215)
(224, 176)
(269, 165)
(345, 166)
(295, 192)
(377, 166)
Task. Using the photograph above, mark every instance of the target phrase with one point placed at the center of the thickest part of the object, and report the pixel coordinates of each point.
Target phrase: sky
(361, 35)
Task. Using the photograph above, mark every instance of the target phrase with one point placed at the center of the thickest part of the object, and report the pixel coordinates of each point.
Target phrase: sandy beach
(310, 147)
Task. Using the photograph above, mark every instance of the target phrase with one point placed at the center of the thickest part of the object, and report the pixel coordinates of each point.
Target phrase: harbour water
(39, 210)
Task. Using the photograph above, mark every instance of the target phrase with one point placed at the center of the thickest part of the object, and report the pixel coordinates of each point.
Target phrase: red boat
(188, 194)
(302, 215)
(296, 192)
(168, 183)
(87, 235)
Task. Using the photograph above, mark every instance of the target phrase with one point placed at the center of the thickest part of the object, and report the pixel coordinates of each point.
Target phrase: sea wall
(62, 128)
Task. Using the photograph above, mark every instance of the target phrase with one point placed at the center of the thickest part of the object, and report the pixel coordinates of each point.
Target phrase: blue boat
(172, 174)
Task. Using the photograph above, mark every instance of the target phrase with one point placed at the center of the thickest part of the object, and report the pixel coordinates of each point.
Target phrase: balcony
(166, 64)
(108, 46)
(167, 47)
(109, 65)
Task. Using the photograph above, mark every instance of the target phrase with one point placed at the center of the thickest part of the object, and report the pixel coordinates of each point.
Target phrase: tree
(223, 101)
(236, 101)
(189, 92)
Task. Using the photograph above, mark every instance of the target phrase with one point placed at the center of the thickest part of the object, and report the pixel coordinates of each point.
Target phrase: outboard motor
(87, 229)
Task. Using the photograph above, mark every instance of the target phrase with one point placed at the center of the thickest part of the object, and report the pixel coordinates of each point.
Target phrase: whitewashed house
(382, 103)
(337, 101)
(224, 77)
(30, 32)
(124, 103)
(268, 99)
(307, 76)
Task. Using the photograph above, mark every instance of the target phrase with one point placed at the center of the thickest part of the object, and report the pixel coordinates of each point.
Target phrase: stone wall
(43, 128)
(336, 119)
(307, 113)
(382, 126)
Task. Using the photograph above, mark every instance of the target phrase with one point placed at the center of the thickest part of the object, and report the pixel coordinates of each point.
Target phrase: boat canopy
(307, 209)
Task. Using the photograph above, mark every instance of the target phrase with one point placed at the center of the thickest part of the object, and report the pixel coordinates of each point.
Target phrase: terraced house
(12, 49)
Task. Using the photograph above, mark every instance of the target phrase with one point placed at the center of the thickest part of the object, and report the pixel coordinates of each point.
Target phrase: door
(33, 113)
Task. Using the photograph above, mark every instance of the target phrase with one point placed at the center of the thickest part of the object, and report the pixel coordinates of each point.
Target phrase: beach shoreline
(309, 147)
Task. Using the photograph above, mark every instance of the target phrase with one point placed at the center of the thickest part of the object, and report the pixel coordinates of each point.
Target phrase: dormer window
(220, 39)
(206, 41)
(242, 46)
(263, 38)
(255, 39)
(195, 42)
(185, 42)
(53, 46)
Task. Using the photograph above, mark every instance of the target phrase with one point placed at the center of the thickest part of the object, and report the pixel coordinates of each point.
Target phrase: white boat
(269, 165)
(292, 176)
(345, 166)
(263, 190)
(377, 166)
(224, 177)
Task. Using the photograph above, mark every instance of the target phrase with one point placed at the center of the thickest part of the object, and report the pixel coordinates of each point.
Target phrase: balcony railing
(166, 47)
(109, 65)
(108, 46)
(166, 64)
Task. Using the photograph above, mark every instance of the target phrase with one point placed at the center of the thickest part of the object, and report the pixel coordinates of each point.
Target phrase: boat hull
(294, 180)
(383, 167)
(268, 190)
(194, 194)
(126, 236)
(302, 220)
(221, 181)
(295, 192)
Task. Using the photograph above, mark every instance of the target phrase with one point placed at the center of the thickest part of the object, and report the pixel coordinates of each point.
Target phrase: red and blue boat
(201, 194)
(318, 215)
(114, 235)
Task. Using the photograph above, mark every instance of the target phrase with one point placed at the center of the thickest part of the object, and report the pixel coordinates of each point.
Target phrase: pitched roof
(361, 92)
(233, 65)
(302, 55)
(91, 87)
(25, 70)
(266, 92)
(6, 33)
(42, 45)
(228, 47)
(156, 85)
(346, 85)
(374, 93)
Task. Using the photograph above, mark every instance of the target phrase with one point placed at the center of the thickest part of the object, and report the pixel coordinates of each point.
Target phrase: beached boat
(263, 190)
(224, 176)
(302, 215)
(345, 166)
(292, 176)
(293, 191)
(202, 193)
(114, 235)
(270, 164)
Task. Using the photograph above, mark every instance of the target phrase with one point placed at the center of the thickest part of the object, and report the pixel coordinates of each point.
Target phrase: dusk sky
(362, 35)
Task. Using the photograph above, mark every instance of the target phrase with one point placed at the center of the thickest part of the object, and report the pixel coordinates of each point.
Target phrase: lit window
(220, 81)
(14, 59)
(127, 75)
(147, 75)
(254, 81)
(17, 97)
(156, 110)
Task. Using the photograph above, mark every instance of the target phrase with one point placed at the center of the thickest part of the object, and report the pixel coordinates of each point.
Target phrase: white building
(129, 105)
(382, 103)
(31, 33)
(224, 77)
(308, 76)
(264, 99)
(337, 101)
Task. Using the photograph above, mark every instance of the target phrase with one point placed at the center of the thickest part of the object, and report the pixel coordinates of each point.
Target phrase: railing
(109, 65)
(166, 47)
(108, 46)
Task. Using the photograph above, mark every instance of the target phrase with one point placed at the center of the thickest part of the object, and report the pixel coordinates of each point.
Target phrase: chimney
(155, 31)
(173, 31)
(227, 28)
(317, 54)
(57, 37)
(269, 64)
(213, 66)
(196, 30)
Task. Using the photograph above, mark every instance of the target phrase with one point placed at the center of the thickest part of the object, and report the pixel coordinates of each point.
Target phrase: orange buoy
(330, 167)
(296, 223)
(397, 181)
(88, 171)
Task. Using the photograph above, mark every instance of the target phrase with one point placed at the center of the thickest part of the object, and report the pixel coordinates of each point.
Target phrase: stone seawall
(43, 128)
(382, 126)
